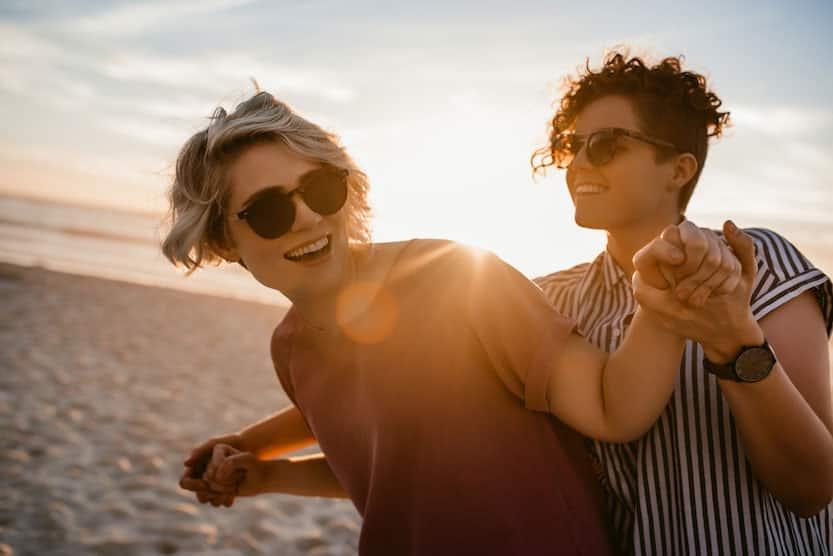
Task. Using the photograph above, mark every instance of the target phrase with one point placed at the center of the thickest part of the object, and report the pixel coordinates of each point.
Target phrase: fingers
(202, 451)
(696, 245)
(192, 484)
(731, 268)
(724, 279)
(710, 262)
(651, 262)
(218, 455)
(671, 234)
(647, 296)
(744, 248)
(235, 467)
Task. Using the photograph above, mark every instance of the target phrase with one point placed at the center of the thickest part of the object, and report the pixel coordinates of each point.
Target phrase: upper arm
(796, 331)
(793, 303)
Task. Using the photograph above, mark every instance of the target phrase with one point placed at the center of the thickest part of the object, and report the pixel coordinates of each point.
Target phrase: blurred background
(441, 102)
(108, 383)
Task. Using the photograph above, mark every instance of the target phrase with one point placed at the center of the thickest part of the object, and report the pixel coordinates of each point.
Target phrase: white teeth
(586, 188)
(311, 248)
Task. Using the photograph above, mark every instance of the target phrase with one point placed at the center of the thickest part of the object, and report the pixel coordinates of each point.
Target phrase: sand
(104, 388)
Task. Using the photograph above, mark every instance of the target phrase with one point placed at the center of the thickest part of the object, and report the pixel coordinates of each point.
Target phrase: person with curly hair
(741, 459)
(429, 373)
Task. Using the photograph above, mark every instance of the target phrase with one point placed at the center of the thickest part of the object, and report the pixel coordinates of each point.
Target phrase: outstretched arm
(618, 397)
(243, 474)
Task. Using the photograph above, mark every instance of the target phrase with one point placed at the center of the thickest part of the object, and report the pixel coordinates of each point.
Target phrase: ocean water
(109, 244)
(125, 246)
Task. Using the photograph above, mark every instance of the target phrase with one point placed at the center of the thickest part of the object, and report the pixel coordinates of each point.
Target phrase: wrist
(726, 349)
(277, 476)
(246, 441)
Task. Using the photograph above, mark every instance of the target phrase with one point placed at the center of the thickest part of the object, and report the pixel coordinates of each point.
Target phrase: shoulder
(777, 254)
(281, 340)
(783, 274)
(435, 256)
(563, 278)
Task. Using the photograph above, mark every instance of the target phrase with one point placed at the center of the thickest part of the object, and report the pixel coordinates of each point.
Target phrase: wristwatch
(753, 364)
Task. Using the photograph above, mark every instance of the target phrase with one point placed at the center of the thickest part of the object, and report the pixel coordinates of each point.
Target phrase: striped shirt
(686, 487)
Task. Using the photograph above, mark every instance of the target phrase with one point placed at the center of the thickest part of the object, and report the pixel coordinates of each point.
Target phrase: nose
(305, 217)
(577, 165)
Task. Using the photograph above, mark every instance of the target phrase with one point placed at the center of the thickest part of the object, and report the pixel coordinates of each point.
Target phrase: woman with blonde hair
(429, 373)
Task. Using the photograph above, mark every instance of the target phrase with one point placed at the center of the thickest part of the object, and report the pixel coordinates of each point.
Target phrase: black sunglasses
(601, 145)
(270, 213)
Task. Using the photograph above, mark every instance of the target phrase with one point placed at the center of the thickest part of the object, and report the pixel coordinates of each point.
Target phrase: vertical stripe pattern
(686, 487)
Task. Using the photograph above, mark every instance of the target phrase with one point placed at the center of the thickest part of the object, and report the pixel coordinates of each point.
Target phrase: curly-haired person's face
(632, 189)
(308, 261)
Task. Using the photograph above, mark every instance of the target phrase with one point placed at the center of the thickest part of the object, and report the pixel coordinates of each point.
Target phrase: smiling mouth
(311, 251)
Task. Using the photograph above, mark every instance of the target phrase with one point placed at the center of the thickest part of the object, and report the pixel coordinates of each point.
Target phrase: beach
(105, 388)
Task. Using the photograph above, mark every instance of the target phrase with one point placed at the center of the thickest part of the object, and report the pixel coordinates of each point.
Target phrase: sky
(442, 103)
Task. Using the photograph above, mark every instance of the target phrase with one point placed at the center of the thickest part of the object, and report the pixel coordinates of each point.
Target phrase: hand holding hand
(195, 468)
(722, 317)
(694, 262)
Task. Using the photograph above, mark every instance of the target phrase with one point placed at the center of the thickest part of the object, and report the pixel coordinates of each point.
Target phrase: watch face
(754, 364)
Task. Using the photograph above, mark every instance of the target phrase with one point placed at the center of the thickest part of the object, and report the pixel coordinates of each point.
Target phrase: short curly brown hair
(671, 104)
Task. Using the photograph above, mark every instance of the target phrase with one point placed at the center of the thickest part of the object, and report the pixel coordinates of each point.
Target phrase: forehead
(609, 111)
(264, 165)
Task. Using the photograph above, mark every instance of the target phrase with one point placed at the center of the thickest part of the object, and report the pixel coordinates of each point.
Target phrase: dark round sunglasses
(601, 145)
(270, 213)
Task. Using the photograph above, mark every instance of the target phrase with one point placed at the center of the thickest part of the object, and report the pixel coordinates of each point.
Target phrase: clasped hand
(696, 283)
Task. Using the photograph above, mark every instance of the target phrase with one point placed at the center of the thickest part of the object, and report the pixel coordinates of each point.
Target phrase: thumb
(243, 461)
(744, 248)
(646, 295)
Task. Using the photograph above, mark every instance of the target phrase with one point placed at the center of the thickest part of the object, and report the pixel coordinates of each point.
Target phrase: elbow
(811, 507)
(816, 495)
(821, 498)
(618, 434)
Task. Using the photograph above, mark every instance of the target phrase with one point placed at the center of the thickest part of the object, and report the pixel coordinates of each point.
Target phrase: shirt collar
(612, 273)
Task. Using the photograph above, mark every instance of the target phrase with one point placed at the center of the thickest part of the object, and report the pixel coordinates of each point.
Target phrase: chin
(591, 221)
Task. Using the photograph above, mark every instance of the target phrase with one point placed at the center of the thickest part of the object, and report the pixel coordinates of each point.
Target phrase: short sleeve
(520, 331)
(784, 274)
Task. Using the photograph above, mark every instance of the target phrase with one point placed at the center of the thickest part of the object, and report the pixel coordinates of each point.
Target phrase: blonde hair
(200, 190)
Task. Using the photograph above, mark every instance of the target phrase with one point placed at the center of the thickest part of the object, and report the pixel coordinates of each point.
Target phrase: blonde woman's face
(311, 259)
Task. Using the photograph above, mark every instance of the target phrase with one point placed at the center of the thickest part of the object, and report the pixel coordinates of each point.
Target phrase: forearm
(639, 377)
(788, 446)
(280, 433)
(303, 476)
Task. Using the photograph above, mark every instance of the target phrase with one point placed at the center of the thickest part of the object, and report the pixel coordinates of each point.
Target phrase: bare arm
(242, 474)
(785, 422)
(616, 397)
(282, 432)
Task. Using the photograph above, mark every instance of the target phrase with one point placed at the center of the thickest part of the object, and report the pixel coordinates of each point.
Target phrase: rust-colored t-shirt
(432, 411)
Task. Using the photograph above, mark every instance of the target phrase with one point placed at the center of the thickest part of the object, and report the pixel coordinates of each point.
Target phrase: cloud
(213, 71)
(135, 18)
(782, 120)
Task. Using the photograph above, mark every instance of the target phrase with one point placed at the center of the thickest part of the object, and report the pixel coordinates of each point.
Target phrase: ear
(682, 170)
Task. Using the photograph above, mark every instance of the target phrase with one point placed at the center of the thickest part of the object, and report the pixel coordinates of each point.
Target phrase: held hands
(704, 294)
(201, 468)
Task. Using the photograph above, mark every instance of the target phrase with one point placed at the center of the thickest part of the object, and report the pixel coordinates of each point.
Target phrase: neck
(624, 242)
(319, 310)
